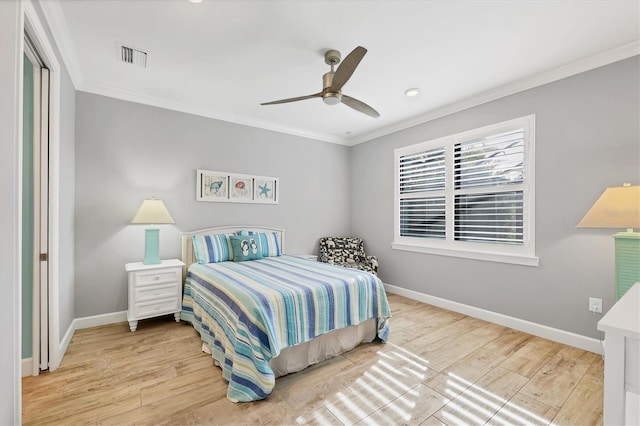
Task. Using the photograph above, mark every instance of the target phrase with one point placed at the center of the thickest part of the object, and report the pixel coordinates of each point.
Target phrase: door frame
(38, 35)
(40, 176)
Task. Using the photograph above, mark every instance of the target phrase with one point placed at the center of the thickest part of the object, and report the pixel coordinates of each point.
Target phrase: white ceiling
(221, 59)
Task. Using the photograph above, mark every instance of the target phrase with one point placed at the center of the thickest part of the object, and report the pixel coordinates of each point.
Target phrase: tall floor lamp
(152, 212)
(619, 207)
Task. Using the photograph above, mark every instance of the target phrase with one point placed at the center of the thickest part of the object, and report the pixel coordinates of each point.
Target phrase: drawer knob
(156, 278)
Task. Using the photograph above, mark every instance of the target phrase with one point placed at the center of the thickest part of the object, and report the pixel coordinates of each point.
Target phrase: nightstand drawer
(155, 292)
(157, 307)
(157, 277)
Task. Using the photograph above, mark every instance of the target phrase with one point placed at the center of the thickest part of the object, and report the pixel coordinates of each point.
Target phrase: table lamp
(152, 212)
(619, 207)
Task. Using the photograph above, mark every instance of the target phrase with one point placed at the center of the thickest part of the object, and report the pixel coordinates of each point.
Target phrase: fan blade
(346, 68)
(300, 98)
(359, 106)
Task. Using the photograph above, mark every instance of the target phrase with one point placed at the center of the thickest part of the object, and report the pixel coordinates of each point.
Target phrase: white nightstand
(154, 290)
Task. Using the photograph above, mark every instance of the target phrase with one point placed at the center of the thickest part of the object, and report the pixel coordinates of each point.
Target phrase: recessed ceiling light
(414, 91)
(195, 1)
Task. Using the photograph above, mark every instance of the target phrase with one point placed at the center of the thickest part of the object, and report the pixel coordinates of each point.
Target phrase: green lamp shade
(152, 246)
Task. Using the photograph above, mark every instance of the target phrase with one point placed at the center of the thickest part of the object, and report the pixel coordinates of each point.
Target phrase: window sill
(515, 259)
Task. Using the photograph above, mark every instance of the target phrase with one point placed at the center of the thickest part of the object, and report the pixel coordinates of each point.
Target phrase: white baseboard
(27, 367)
(565, 337)
(97, 320)
(64, 344)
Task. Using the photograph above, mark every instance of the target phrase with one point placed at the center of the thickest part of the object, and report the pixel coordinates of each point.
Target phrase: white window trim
(521, 255)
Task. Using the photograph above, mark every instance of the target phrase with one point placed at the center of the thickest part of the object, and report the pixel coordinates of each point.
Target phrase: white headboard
(188, 255)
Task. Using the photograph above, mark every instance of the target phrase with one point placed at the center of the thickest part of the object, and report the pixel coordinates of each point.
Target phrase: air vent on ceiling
(133, 56)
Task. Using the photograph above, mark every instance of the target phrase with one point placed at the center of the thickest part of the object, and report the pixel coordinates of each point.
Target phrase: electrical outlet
(595, 305)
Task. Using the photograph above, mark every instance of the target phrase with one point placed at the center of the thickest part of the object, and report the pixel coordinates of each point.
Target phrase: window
(469, 195)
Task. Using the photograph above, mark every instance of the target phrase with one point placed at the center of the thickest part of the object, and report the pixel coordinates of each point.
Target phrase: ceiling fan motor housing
(330, 98)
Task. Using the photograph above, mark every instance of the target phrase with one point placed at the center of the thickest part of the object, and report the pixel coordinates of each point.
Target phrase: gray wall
(126, 152)
(587, 138)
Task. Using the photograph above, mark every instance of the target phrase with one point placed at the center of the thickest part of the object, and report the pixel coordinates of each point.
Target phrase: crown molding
(605, 58)
(136, 97)
(62, 39)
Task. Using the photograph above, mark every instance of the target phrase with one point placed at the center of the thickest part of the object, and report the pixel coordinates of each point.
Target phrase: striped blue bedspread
(247, 312)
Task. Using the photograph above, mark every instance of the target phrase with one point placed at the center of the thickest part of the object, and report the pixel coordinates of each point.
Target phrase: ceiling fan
(333, 81)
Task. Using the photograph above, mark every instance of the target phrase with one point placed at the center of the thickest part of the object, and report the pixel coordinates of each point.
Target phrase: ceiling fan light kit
(332, 98)
(333, 81)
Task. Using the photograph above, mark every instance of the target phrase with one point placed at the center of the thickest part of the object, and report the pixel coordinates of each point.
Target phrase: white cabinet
(154, 290)
(621, 326)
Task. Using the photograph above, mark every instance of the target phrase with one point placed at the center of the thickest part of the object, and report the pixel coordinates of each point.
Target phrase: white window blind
(422, 181)
(422, 217)
(422, 171)
(470, 194)
(493, 165)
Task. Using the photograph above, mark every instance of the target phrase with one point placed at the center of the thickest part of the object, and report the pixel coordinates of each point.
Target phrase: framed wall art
(241, 187)
(228, 187)
(265, 189)
(212, 186)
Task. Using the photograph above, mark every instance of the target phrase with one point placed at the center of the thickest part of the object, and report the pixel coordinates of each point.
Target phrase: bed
(273, 314)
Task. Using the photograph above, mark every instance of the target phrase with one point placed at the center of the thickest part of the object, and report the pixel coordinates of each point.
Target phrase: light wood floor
(439, 367)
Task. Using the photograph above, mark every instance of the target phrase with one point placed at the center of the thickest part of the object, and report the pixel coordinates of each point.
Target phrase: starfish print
(264, 190)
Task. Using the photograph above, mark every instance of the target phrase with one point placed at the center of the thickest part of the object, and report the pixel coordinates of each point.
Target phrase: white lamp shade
(617, 207)
(152, 212)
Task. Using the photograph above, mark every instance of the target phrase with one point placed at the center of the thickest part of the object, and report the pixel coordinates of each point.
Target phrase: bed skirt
(329, 345)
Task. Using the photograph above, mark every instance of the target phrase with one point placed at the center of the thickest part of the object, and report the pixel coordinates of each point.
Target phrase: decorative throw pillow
(270, 244)
(212, 248)
(269, 241)
(245, 247)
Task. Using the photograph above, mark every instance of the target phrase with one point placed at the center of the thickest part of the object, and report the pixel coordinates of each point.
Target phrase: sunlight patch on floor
(321, 417)
(351, 409)
(383, 379)
(407, 402)
(512, 413)
(384, 384)
(392, 375)
(475, 401)
(372, 390)
(409, 356)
